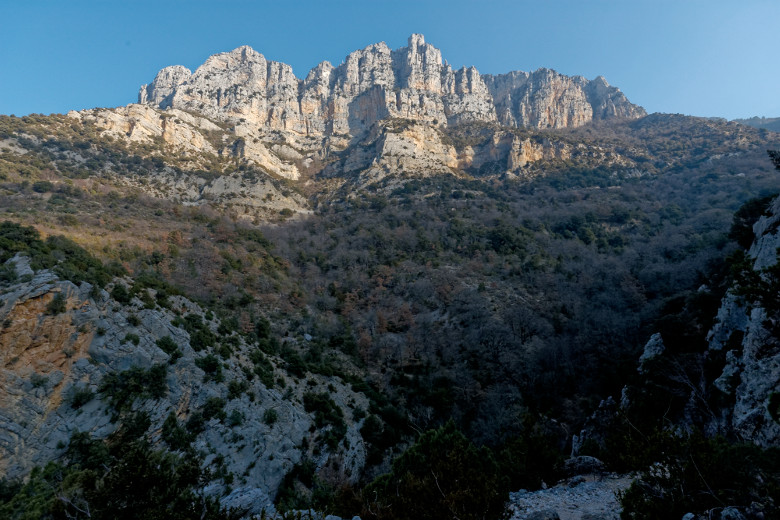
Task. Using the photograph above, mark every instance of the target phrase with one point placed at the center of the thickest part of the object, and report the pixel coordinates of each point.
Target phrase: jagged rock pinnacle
(376, 83)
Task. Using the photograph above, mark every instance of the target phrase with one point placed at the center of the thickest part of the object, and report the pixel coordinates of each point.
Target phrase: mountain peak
(416, 40)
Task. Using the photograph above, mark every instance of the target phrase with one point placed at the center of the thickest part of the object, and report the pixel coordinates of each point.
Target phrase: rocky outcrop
(139, 123)
(378, 113)
(585, 497)
(396, 146)
(376, 83)
(47, 357)
(743, 330)
(739, 398)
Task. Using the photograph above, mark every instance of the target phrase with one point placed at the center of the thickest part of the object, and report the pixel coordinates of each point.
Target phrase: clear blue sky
(698, 57)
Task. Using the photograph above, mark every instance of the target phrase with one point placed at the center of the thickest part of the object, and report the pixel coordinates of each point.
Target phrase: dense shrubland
(121, 477)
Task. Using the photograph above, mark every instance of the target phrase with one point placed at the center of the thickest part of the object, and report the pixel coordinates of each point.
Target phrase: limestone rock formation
(46, 358)
(381, 112)
(752, 370)
(140, 123)
(377, 83)
(585, 497)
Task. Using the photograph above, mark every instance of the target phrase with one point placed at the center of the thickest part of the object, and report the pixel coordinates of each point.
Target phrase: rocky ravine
(46, 358)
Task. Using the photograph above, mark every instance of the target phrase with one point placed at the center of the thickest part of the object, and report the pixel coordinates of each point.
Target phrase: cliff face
(377, 83)
(239, 108)
(54, 366)
(747, 334)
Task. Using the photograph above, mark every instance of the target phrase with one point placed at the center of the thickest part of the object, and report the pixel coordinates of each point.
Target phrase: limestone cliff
(253, 125)
(732, 387)
(377, 83)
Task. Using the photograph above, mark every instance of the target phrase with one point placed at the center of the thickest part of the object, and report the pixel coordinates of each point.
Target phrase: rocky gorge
(391, 289)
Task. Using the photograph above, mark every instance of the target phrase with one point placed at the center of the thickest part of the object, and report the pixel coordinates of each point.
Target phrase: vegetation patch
(123, 388)
(326, 414)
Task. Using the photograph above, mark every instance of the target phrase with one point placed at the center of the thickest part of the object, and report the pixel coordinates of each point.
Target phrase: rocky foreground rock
(584, 497)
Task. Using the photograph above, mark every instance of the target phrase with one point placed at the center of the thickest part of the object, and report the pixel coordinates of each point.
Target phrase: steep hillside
(80, 359)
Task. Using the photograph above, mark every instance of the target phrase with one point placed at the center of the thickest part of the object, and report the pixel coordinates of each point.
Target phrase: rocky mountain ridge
(241, 106)
(379, 83)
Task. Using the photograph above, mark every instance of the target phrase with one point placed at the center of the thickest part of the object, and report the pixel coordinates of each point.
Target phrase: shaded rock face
(377, 83)
(751, 375)
(741, 399)
(47, 357)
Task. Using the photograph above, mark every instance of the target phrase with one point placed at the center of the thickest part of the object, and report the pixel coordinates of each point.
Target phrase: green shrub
(169, 346)
(152, 280)
(295, 363)
(174, 435)
(201, 336)
(42, 186)
(442, 475)
(236, 418)
(263, 367)
(79, 396)
(528, 459)
(290, 496)
(326, 413)
(120, 293)
(744, 218)
(236, 387)
(270, 416)
(123, 388)
(38, 381)
(212, 367)
(8, 273)
(694, 474)
(196, 423)
(263, 328)
(214, 408)
(57, 305)
(122, 478)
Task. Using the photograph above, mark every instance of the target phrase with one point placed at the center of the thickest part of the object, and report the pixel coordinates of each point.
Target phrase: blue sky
(697, 57)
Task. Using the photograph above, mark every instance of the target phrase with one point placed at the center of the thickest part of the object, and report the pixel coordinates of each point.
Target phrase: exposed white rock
(653, 348)
(732, 318)
(764, 248)
(180, 130)
(376, 83)
(574, 499)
